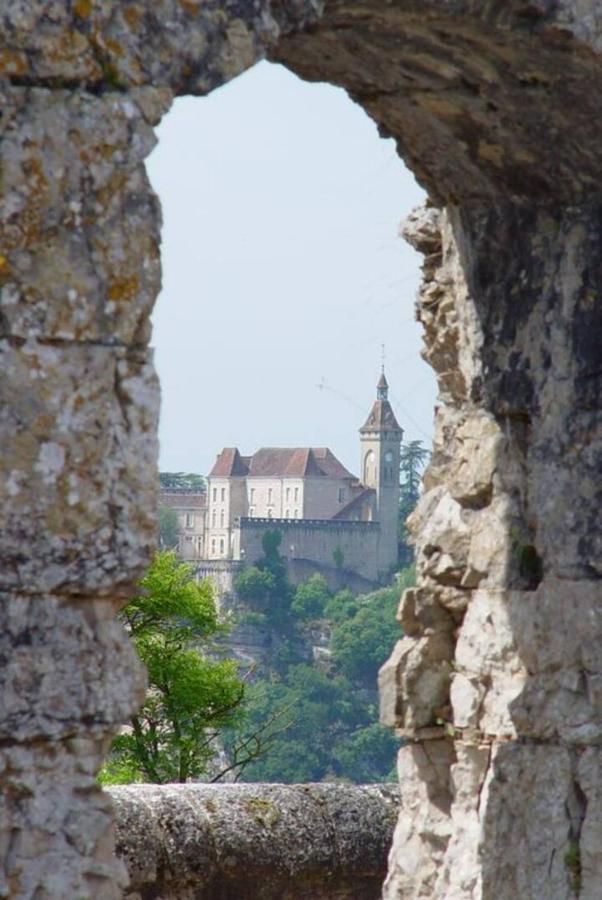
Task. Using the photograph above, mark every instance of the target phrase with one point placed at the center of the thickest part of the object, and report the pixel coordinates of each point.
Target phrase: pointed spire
(381, 418)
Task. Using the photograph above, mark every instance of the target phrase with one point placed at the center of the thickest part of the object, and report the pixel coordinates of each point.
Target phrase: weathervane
(382, 358)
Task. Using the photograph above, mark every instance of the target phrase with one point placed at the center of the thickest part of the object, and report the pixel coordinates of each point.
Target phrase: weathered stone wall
(315, 540)
(497, 108)
(244, 842)
(82, 86)
(495, 683)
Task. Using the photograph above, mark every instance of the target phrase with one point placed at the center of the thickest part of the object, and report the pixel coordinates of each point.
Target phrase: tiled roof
(297, 462)
(381, 418)
(229, 462)
(183, 499)
(280, 462)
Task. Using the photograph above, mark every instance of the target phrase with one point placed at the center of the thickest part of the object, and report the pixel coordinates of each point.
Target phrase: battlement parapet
(330, 524)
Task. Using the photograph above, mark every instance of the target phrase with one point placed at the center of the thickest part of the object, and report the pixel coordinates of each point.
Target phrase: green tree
(182, 480)
(168, 528)
(343, 605)
(332, 732)
(192, 696)
(361, 643)
(338, 557)
(255, 586)
(368, 754)
(311, 596)
(413, 458)
(265, 586)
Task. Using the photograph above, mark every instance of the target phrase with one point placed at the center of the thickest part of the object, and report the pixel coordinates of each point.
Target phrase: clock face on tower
(388, 457)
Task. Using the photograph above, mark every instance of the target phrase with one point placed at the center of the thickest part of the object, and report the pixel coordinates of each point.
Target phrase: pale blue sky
(282, 270)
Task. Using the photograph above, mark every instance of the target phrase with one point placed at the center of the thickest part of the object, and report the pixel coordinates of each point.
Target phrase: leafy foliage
(361, 643)
(168, 528)
(413, 458)
(182, 481)
(192, 696)
(331, 730)
(310, 598)
(265, 586)
(343, 605)
(327, 735)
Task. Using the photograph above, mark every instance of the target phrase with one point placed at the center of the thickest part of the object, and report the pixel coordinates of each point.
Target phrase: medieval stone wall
(316, 540)
(249, 841)
(497, 108)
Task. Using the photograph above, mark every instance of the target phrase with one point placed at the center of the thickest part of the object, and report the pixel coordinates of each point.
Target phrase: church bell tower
(380, 442)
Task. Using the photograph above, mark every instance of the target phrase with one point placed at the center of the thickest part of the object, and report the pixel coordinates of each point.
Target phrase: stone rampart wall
(255, 841)
(315, 540)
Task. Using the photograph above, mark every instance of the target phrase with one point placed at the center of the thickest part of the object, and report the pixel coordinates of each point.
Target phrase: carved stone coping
(250, 841)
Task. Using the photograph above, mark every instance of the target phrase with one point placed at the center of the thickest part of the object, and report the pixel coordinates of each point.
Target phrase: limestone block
(255, 840)
(424, 826)
(559, 625)
(79, 223)
(470, 475)
(414, 682)
(491, 673)
(589, 777)
(63, 663)
(492, 554)
(68, 679)
(569, 496)
(422, 229)
(444, 537)
(193, 46)
(527, 827)
(57, 824)
(459, 877)
(77, 482)
(565, 705)
(422, 612)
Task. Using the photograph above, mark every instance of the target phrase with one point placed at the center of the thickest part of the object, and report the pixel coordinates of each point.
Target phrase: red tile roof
(229, 462)
(280, 462)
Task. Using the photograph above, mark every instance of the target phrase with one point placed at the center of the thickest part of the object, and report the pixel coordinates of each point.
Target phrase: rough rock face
(82, 84)
(507, 550)
(496, 682)
(242, 842)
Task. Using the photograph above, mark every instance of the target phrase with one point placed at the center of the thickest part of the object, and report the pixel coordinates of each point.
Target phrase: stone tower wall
(497, 108)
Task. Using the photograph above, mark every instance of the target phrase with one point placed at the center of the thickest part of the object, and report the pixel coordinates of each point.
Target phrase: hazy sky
(282, 271)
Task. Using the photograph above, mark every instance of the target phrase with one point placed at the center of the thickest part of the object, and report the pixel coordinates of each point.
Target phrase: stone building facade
(191, 509)
(326, 515)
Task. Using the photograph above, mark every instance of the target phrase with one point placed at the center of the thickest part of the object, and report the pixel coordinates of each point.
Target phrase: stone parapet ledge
(255, 841)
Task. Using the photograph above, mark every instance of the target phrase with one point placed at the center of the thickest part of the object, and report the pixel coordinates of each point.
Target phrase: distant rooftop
(182, 497)
(280, 462)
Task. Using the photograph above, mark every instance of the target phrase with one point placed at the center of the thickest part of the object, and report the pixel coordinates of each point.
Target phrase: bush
(310, 598)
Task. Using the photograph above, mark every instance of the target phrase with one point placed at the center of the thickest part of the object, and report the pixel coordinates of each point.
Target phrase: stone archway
(496, 108)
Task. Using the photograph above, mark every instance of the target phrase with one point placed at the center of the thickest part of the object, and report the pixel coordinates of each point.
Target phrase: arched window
(213, 518)
(221, 518)
(221, 546)
(213, 547)
(369, 460)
